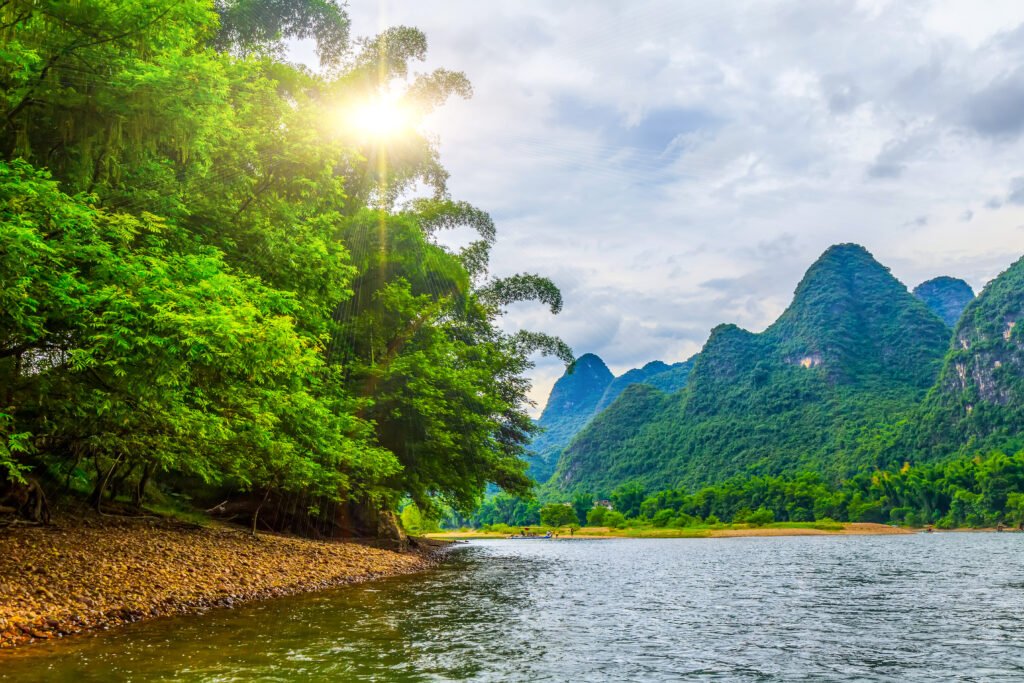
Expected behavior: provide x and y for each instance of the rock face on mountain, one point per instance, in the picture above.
(853, 350)
(978, 402)
(946, 297)
(569, 408)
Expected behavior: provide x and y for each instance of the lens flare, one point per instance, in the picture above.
(379, 119)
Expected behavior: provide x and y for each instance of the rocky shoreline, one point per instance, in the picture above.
(96, 573)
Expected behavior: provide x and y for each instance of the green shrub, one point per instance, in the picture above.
(760, 517)
(801, 515)
(596, 516)
(899, 515)
(683, 520)
(662, 518)
(614, 519)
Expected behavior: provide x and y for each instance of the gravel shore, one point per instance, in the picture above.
(83, 574)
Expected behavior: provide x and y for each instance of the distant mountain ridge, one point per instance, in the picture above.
(583, 392)
(668, 378)
(946, 297)
(571, 404)
(853, 350)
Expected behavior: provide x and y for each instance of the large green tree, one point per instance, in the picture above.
(207, 273)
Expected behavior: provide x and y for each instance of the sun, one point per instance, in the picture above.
(381, 118)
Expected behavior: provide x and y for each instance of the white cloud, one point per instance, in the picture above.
(674, 165)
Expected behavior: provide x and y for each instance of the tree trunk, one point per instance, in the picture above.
(256, 514)
(140, 490)
(117, 482)
(101, 486)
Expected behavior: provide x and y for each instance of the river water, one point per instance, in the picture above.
(927, 607)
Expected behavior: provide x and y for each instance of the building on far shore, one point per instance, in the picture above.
(606, 504)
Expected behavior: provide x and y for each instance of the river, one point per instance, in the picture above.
(895, 608)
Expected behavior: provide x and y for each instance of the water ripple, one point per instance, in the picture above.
(902, 608)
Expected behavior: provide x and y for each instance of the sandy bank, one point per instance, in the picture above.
(854, 528)
(849, 529)
(79, 575)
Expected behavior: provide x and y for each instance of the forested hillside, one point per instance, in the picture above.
(585, 391)
(853, 351)
(667, 378)
(209, 287)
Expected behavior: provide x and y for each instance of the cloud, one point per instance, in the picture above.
(1016, 194)
(893, 159)
(677, 165)
(998, 110)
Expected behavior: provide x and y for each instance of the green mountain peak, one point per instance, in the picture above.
(853, 349)
(946, 297)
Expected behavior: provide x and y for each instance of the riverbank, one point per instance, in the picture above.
(723, 531)
(95, 573)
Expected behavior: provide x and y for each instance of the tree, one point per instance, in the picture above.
(204, 279)
(596, 515)
(628, 498)
(582, 503)
(558, 514)
(614, 519)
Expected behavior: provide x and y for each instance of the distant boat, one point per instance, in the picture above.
(546, 537)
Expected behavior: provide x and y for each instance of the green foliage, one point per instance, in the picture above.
(582, 503)
(628, 498)
(415, 523)
(583, 393)
(248, 26)
(965, 492)
(946, 297)
(760, 517)
(506, 509)
(667, 378)
(570, 406)
(596, 515)
(558, 514)
(614, 519)
(978, 401)
(662, 518)
(202, 281)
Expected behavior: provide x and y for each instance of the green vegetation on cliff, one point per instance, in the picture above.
(667, 378)
(978, 401)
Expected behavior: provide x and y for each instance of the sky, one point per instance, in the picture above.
(675, 165)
